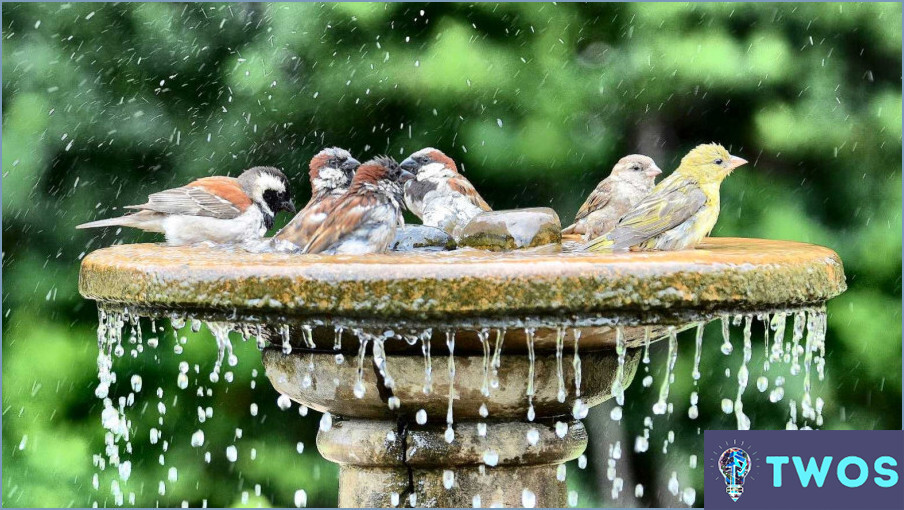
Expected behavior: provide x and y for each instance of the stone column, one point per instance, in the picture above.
(388, 459)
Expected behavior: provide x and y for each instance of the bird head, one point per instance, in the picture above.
(637, 169)
(382, 173)
(428, 162)
(268, 188)
(332, 169)
(709, 163)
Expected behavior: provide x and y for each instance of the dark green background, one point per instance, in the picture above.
(103, 104)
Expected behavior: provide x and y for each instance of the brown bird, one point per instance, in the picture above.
(216, 209)
(365, 219)
(439, 195)
(631, 179)
(331, 173)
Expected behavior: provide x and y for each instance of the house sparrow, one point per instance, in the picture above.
(680, 211)
(331, 172)
(364, 220)
(631, 179)
(216, 209)
(439, 195)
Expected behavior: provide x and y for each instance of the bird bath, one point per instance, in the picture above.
(456, 378)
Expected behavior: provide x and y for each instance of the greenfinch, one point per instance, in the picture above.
(680, 211)
(631, 179)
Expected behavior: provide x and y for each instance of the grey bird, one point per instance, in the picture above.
(631, 179)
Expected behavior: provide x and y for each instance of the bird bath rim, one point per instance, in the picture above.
(465, 287)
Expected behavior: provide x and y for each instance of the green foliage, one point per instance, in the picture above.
(104, 103)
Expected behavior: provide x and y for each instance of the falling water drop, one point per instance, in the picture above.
(326, 422)
(726, 336)
(448, 479)
(528, 498)
(698, 341)
(421, 417)
(301, 498)
(450, 343)
(743, 376)
(576, 363)
(661, 406)
(529, 335)
(197, 438)
(560, 376)
(283, 402)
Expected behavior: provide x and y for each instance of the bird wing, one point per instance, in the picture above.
(464, 186)
(215, 197)
(667, 206)
(597, 200)
(305, 223)
(350, 213)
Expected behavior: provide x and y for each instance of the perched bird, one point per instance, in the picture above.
(365, 219)
(216, 209)
(631, 179)
(331, 172)
(439, 195)
(680, 211)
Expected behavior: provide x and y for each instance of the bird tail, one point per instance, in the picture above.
(145, 220)
(109, 222)
(600, 244)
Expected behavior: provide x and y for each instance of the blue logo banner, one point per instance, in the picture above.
(802, 469)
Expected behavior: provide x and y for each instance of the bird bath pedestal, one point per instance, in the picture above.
(494, 410)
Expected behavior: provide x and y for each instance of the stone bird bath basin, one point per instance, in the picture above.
(452, 384)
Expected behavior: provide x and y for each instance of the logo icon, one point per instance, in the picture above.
(734, 464)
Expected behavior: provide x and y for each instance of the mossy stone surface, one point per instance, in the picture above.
(512, 230)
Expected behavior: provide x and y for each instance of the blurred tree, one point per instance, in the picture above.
(104, 103)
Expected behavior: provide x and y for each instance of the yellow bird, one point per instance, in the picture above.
(680, 211)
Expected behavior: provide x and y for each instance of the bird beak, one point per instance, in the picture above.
(289, 206)
(653, 171)
(735, 162)
(405, 176)
(350, 164)
(409, 165)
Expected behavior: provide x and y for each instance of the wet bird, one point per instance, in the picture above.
(331, 173)
(631, 179)
(680, 211)
(365, 219)
(439, 195)
(216, 209)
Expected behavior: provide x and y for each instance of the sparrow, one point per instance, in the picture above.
(680, 211)
(216, 209)
(631, 179)
(365, 219)
(439, 195)
(331, 172)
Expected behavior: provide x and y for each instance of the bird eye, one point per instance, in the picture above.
(719, 161)
(635, 168)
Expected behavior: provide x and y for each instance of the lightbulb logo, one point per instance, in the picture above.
(734, 464)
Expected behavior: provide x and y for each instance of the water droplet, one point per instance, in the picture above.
(561, 429)
(197, 438)
(528, 498)
(301, 498)
(533, 437)
(727, 406)
(284, 402)
(490, 458)
(421, 417)
(448, 479)
(232, 454)
(326, 422)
